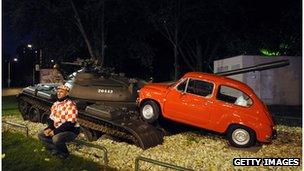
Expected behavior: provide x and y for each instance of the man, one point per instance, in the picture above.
(62, 124)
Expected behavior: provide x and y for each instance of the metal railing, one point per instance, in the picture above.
(105, 151)
(19, 126)
(156, 162)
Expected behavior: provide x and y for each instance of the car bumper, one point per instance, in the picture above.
(266, 133)
(272, 136)
(137, 101)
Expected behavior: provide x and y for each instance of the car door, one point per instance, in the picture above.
(190, 102)
(230, 102)
(175, 103)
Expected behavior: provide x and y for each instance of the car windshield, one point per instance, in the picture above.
(174, 83)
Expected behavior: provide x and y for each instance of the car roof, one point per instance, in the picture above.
(220, 80)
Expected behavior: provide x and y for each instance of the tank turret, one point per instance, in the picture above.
(102, 86)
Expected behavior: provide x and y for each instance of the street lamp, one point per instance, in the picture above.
(37, 64)
(9, 71)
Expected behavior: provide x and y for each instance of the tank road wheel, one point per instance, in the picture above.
(34, 114)
(109, 137)
(89, 134)
(149, 111)
(97, 134)
(241, 136)
(23, 107)
(44, 118)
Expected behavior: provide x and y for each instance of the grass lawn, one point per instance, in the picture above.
(9, 105)
(22, 153)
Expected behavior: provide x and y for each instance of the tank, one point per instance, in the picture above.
(106, 102)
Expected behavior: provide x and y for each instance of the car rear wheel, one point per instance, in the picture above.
(241, 136)
(149, 111)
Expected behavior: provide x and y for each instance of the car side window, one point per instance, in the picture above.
(199, 87)
(234, 96)
(182, 86)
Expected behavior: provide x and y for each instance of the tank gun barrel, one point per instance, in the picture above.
(71, 63)
(259, 67)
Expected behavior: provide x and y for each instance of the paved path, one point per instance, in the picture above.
(10, 91)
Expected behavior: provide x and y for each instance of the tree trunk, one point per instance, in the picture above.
(176, 43)
(102, 35)
(80, 26)
(199, 56)
(176, 67)
(184, 57)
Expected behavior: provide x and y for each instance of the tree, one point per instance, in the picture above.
(194, 29)
(167, 18)
(65, 28)
(138, 36)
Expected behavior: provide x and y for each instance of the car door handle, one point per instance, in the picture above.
(208, 102)
(227, 105)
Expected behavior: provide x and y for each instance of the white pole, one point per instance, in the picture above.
(9, 74)
(34, 75)
(40, 57)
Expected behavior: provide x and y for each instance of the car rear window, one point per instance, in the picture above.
(234, 96)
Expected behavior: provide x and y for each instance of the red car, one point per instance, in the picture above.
(211, 102)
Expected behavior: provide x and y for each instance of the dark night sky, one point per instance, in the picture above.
(268, 11)
(10, 42)
(224, 28)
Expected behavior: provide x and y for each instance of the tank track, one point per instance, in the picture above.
(35, 103)
(106, 129)
(139, 133)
